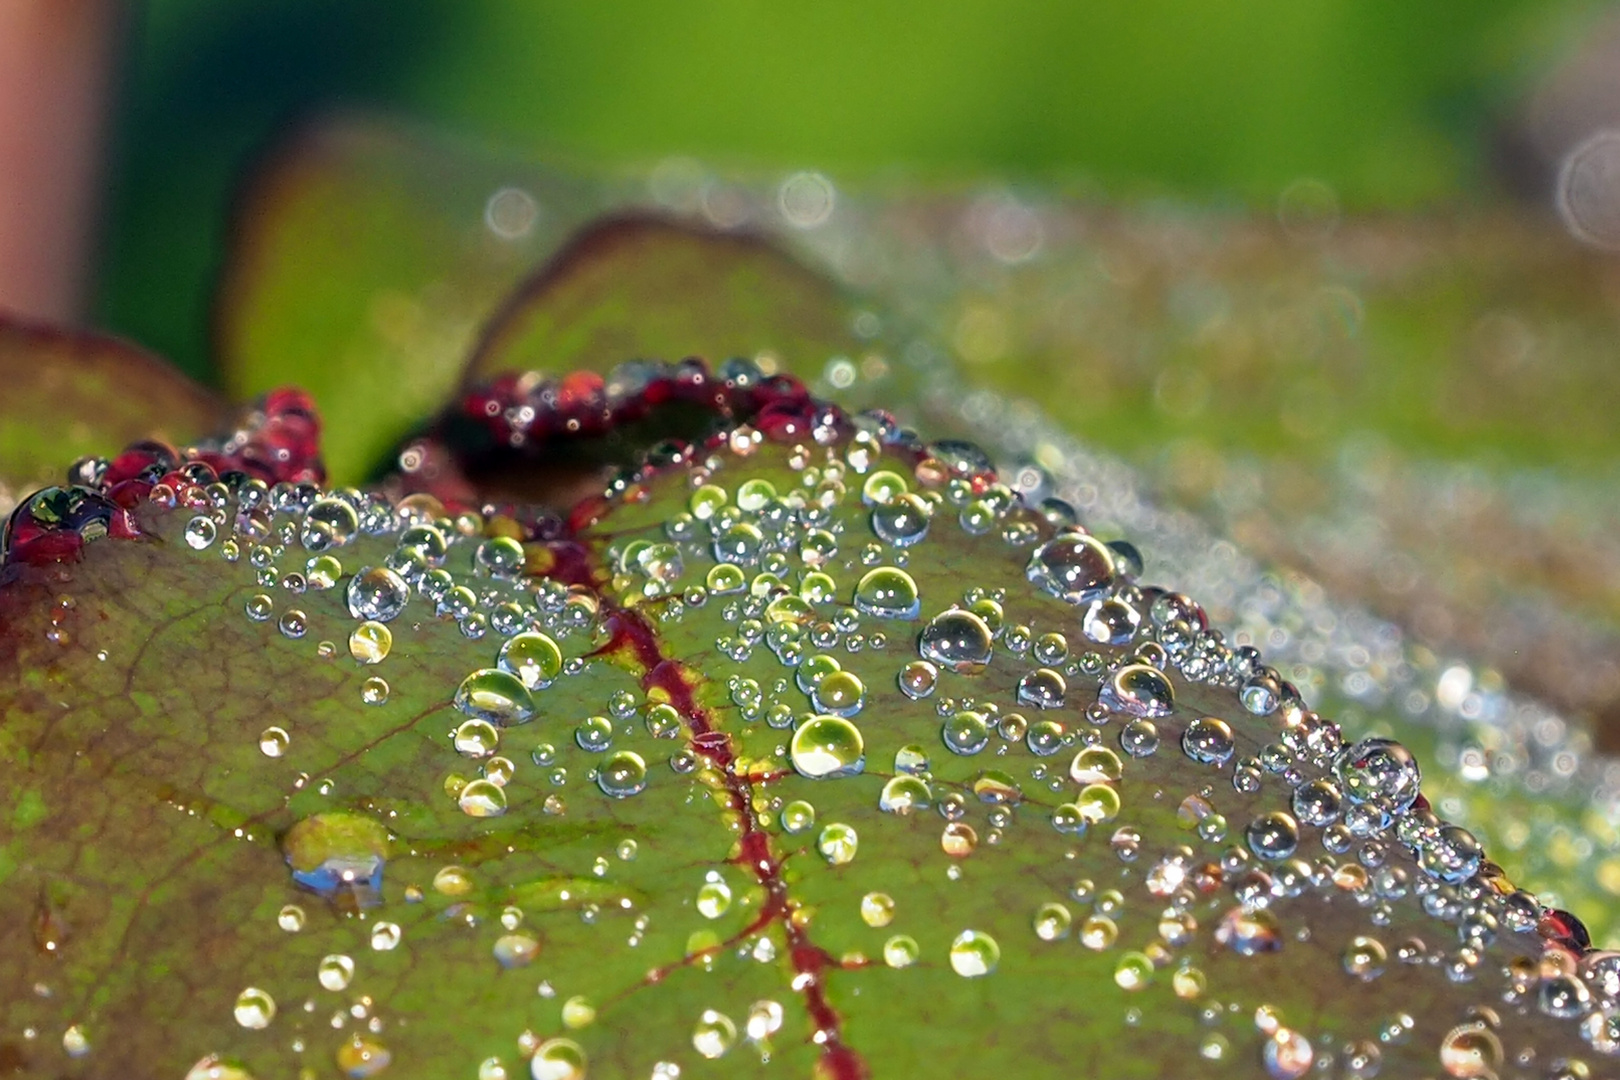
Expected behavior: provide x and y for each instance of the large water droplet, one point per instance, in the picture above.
(888, 593)
(622, 775)
(558, 1059)
(495, 695)
(827, 746)
(1072, 566)
(1042, 688)
(837, 843)
(1110, 622)
(1096, 765)
(840, 694)
(477, 738)
(958, 640)
(370, 642)
(902, 521)
(967, 732)
(377, 593)
(255, 1009)
(533, 657)
(974, 953)
(1208, 740)
(482, 798)
(328, 523)
(1138, 690)
(1273, 836)
(714, 1034)
(1380, 771)
(338, 852)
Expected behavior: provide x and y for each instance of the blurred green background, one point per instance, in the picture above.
(1392, 104)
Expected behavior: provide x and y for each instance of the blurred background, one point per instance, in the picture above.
(1334, 283)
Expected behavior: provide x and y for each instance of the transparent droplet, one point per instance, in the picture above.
(877, 909)
(888, 593)
(533, 657)
(827, 746)
(1273, 836)
(291, 918)
(839, 694)
(714, 1034)
(1052, 921)
(482, 798)
(477, 738)
(974, 954)
(1287, 1054)
(1073, 567)
(837, 843)
(1096, 765)
(200, 532)
(622, 775)
(1365, 957)
(335, 972)
(917, 679)
(370, 642)
(1139, 738)
(374, 691)
(1042, 688)
(967, 732)
(1134, 971)
(957, 640)
(255, 1009)
(1138, 690)
(558, 1059)
(1097, 803)
(1110, 622)
(905, 794)
(797, 816)
(273, 741)
(1208, 740)
(496, 696)
(1378, 770)
(377, 593)
(901, 951)
(385, 936)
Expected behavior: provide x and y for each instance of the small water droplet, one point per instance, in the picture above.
(837, 843)
(714, 1034)
(1208, 740)
(957, 640)
(377, 593)
(888, 593)
(255, 1009)
(974, 954)
(622, 775)
(496, 696)
(827, 746)
(533, 657)
(370, 642)
(374, 691)
(558, 1059)
(482, 798)
(273, 741)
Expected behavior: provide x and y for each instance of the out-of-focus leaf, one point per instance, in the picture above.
(68, 394)
(236, 845)
(646, 288)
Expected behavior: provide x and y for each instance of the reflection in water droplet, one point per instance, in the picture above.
(1380, 771)
(477, 738)
(291, 918)
(827, 746)
(386, 936)
(516, 950)
(496, 696)
(335, 971)
(1287, 1054)
(797, 816)
(1110, 622)
(374, 691)
(966, 733)
(377, 593)
(482, 799)
(622, 775)
(1208, 740)
(956, 640)
(1273, 836)
(1052, 921)
(1365, 957)
(901, 951)
(533, 657)
(1139, 738)
(1073, 567)
(888, 593)
(1469, 1051)
(1138, 690)
(877, 909)
(714, 1034)
(1042, 688)
(958, 839)
(837, 843)
(1097, 803)
(917, 679)
(558, 1059)
(1096, 765)
(1134, 971)
(255, 1009)
(902, 522)
(370, 642)
(840, 693)
(713, 898)
(904, 794)
(974, 954)
(273, 741)
(214, 1067)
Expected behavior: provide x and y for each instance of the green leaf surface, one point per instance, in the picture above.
(652, 289)
(185, 730)
(70, 394)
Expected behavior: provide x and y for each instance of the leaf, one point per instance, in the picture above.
(187, 770)
(71, 394)
(648, 288)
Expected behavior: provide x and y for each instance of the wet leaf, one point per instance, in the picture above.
(71, 394)
(728, 818)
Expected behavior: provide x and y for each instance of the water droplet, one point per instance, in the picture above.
(912, 759)
(273, 741)
(840, 693)
(374, 691)
(594, 734)
(482, 798)
(956, 640)
(1365, 957)
(1470, 1051)
(1042, 688)
(1096, 765)
(724, 579)
(1134, 971)
(1097, 803)
(335, 852)
(837, 843)
(1138, 690)
(1110, 622)
(259, 607)
(499, 556)
(1208, 740)
(713, 899)
(1052, 921)
(1287, 1054)
(901, 951)
(827, 746)
(386, 936)
(974, 953)
(1453, 855)
(877, 909)
(966, 733)
(883, 487)
(477, 738)
(1098, 932)
(516, 950)
(200, 532)
(958, 839)
(1273, 836)
(453, 881)
(1139, 738)
(377, 593)
(888, 593)
(1249, 933)
(255, 1009)
(797, 816)
(370, 642)
(917, 679)
(533, 657)
(1073, 567)
(714, 1034)
(496, 696)
(622, 775)
(335, 972)
(1380, 771)
(905, 794)
(291, 918)
(558, 1059)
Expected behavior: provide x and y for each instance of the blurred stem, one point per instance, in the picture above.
(55, 76)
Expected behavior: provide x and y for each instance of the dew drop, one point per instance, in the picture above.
(1110, 622)
(1072, 566)
(1365, 957)
(374, 691)
(255, 1009)
(1273, 836)
(1139, 738)
(1042, 688)
(966, 733)
(515, 950)
(370, 642)
(877, 909)
(1052, 921)
(335, 972)
(477, 738)
(496, 696)
(482, 798)
(622, 775)
(713, 898)
(290, 918)
(888, 593)
(273, 742)
(840, 693)
(714, 1034)
(1208, 741)
(1097, 803)
(1378, 770)
(1138, 690)
(386, 936)
(533, 657)
(827, 746)
(1096, 765)
(377, 593)
(837, 843)
(956, 640)
(1287, 1054)
(974, 954)
(797, 816)
(917, 679)
(901, 951)
(1134, 971)
(200, 532)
